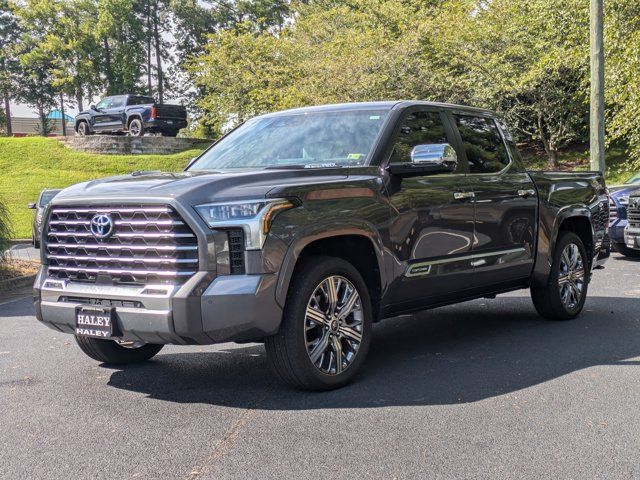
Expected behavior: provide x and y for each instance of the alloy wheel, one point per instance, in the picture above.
(333, 325)
(571, 276)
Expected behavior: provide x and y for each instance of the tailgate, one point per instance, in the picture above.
(171, 111)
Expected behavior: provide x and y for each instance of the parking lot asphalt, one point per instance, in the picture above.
(484, 389)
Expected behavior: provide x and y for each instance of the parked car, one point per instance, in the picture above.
(301, 228)
(619, 200)
(39, 206)
(132, 114)
(632, 230)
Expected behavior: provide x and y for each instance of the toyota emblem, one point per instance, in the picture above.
(101, 225)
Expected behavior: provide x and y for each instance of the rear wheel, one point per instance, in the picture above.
(326, 327)
(626, 251)
(115, 352)
(136, 129)
(566, 291)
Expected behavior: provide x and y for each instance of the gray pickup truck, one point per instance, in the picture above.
(302, 228)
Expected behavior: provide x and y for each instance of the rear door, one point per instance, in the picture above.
(432, 227)
(505, 201)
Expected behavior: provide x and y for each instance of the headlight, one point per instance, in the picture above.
(254, 216)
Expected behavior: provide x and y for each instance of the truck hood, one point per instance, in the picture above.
(195, 187)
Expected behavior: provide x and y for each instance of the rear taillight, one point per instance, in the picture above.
(153, 112)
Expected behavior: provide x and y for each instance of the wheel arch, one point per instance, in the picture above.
(360, 247)
(132, 116)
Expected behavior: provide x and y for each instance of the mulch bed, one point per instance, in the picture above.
(13, 269)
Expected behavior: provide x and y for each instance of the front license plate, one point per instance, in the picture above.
(94, 322)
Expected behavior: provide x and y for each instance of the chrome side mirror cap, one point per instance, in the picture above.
(439, 155)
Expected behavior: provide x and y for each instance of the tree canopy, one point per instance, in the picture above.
(230, 60)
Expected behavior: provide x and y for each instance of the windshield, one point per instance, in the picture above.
(47, 196)
(297, 140)
(634, 180)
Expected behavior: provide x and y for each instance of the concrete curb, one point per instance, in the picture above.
(11, 284)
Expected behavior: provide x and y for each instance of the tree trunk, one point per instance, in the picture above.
(7, 112)
(549, 147)
(107, 65)
(7, 102)
(64, 123)
(43, 121)
(79, 100)
(149, 35)
(156, 35)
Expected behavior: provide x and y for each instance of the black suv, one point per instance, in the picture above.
(302, 228)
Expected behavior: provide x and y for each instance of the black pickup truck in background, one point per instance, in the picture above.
(132, 114)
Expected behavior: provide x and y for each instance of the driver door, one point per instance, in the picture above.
(432, 217)
(100, 116)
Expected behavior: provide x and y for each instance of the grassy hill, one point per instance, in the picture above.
(28, 165)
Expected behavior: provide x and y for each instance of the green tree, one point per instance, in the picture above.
(9, 64)
(622, 43)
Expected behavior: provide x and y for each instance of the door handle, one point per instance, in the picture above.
(463, 195)
(526, 193)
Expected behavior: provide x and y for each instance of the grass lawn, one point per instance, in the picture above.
(31, 164)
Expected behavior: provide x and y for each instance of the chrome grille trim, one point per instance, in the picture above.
(115, 210)
(125, 235)
(179, 248)
(123, 259)
(161, 273)
(149, 245)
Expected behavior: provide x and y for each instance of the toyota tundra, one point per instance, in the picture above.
(302, 228)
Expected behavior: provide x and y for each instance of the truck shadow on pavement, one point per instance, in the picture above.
(464, 353)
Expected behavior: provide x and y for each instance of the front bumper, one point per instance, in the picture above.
(632, 238)
(204, 310)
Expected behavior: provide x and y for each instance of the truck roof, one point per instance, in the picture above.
(382, 105)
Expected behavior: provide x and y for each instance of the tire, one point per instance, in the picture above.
(289, 351)
(564, 303)
(83, 129)
(108, 351)
(136, 129)
(626, 251)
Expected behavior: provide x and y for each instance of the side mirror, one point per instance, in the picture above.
(92, 107)
(191, 162)
(31, 206)
(427, 159)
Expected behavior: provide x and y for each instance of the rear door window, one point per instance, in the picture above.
(482, 143)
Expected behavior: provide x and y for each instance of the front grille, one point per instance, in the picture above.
(601, 218)
(633, 212)
(148, 244)
(236, 250)
(613, 211)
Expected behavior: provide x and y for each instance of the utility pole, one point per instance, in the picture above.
(597, 86)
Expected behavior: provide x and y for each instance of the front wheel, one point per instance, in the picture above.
(83, 129)
(326, 327)
(114, 352)
(566, 291)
